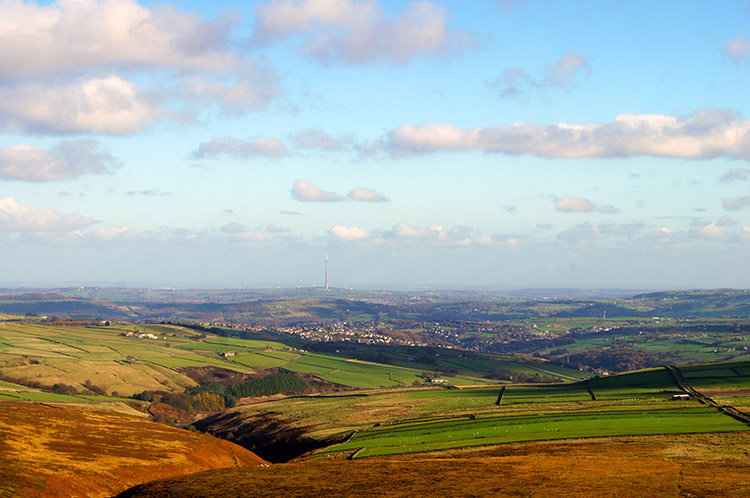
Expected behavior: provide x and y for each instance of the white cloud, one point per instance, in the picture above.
(50, 54)
(75, 35)
(305, 191)
(568, 204)
(348, 233)
(66, 160)
(711, 231)
(359, 32)
(708, 133)
(111, 233)
(241, 149)
(15, 217)
(738, 48)
(737, 203)
(362, 194)
(562, 74)
(110, 105)
(435, 235)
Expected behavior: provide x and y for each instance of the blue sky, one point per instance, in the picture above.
(451, 144)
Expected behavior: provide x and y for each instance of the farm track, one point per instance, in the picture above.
(702, 398)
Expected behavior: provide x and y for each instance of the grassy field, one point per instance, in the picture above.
(121, 366)
(638, 403)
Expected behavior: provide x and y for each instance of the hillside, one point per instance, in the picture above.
(53, 451)
(633, 467)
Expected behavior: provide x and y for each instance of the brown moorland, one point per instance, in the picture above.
(54, 451)
(666, 466)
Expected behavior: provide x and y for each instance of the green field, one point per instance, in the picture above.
(45, 355)
(498, 429)
(638, 403)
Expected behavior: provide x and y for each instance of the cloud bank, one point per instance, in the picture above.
(706, 134)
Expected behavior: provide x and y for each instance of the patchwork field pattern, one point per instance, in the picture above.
(639, 403)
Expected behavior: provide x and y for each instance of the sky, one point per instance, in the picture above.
(429, 144)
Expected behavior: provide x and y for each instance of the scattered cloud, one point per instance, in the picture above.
(509, 209)
(291, 213)
(151, 192)
(738, 48)
(735, 175)
(562, 74)
(240, 149)
(305, 191)
(15, 217)
(708, 133)
(362, 194)
(544, 226)
(346, 31)
(587, 232)
(64, 161)
(737, 203)
(435, 235)
(348, 233)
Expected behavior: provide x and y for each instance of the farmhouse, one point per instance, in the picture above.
(680, 396)
(140, 335)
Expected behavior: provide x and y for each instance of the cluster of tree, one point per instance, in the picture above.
(275, 383)
(617, 359)
(214, 396)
